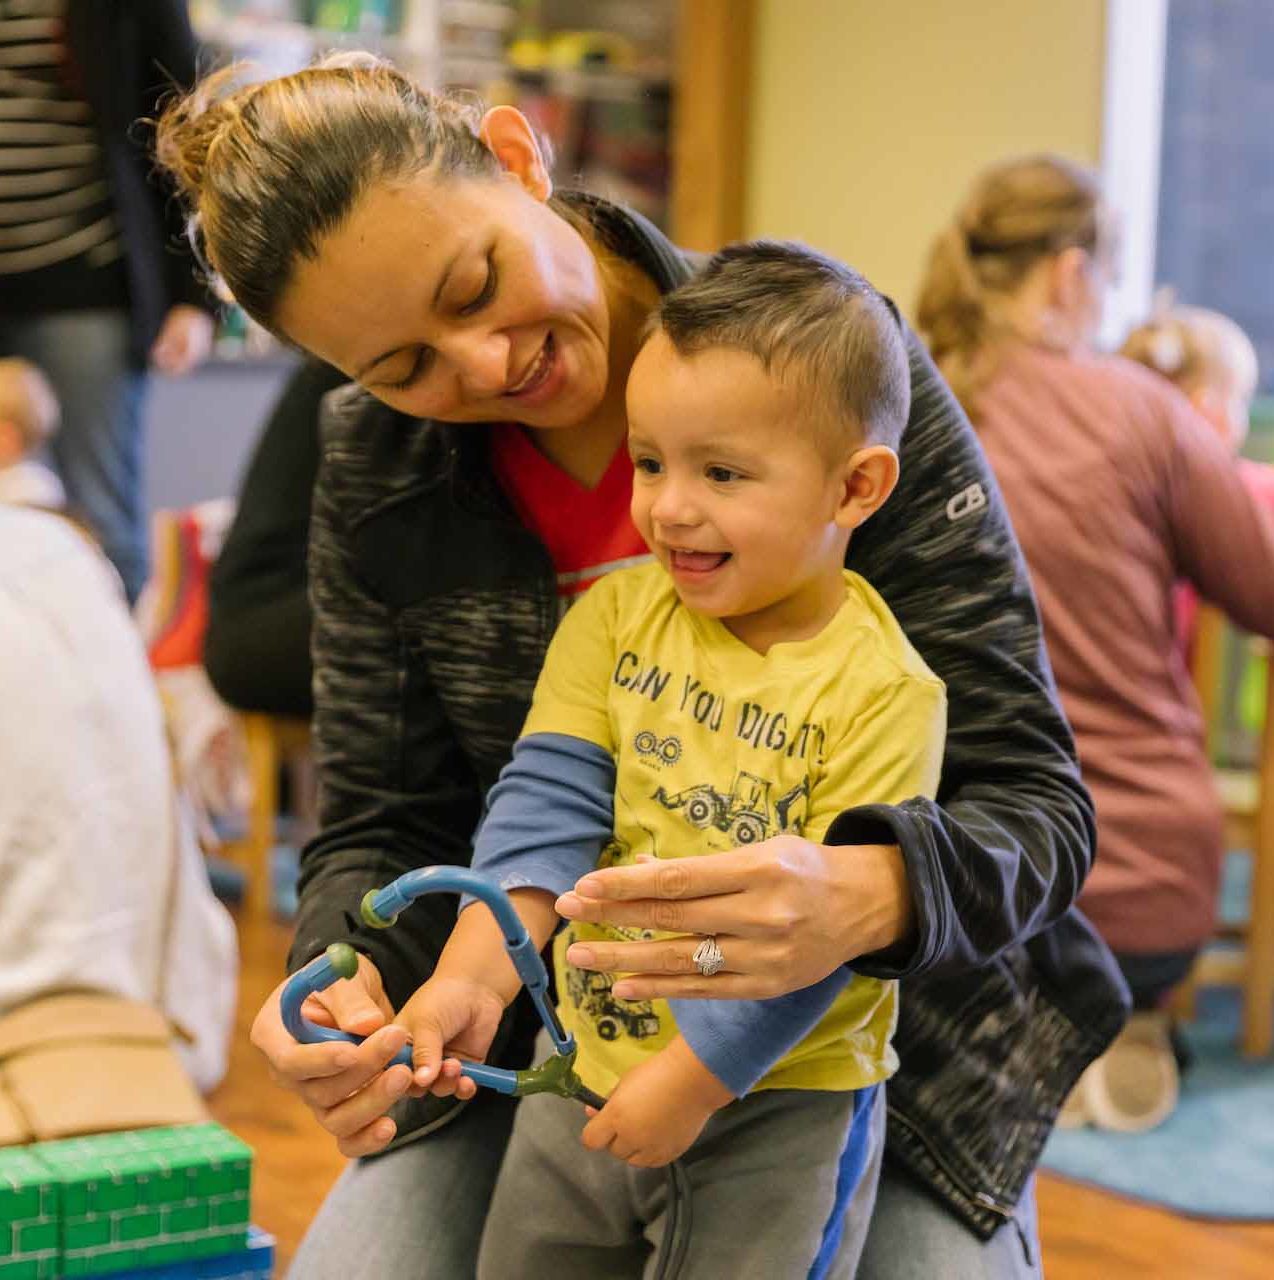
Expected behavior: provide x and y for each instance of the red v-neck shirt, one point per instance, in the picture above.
(588, 532)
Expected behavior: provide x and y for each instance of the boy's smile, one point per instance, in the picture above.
(736, 492)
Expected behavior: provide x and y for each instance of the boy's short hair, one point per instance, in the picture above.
(801, 312)
(27, 400)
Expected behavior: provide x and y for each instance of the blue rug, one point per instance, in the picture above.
(1214, 1156)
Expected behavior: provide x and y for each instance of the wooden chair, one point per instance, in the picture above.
(1248, 798)
(272, 742)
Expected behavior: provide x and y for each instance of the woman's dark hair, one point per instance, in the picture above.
(268, 169)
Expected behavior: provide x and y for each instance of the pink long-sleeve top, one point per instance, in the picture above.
(1118, 490)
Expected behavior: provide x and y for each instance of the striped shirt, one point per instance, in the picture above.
(55, 207)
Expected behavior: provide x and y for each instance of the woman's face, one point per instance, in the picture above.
(461, 299)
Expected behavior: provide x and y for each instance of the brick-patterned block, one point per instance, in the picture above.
(148, 1197)
(29, 1208)
(254, 1262)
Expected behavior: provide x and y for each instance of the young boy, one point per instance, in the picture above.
(28, 417)
(743, 686)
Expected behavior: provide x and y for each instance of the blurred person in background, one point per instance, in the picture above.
(28, 418)
(1117, 489)
(96, 284)
(1214, 364)
(257, 647)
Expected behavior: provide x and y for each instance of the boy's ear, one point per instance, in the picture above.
(509, 136)
(870, 475)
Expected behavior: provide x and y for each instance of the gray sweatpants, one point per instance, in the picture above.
(763, 1189)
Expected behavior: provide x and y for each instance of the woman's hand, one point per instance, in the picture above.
(345, 1085)
(785, 914)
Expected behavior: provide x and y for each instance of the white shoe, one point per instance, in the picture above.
(1134, 1085)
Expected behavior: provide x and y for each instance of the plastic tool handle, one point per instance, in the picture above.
(380, 909)
(340, 960)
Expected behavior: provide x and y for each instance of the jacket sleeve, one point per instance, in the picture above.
(374, 819)
(1004, 849)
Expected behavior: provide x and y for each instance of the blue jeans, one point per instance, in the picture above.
(98, 450)
(417, 1214)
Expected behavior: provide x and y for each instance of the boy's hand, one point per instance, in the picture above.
(449, 1016)
(658, 1109)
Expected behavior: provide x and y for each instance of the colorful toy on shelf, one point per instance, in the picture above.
(123, 1202)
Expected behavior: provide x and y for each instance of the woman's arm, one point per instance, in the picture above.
(376, 822)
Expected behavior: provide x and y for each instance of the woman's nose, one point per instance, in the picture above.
(481, 361)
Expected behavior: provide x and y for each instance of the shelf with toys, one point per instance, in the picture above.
(594, 78)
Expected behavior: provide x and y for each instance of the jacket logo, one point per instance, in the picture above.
(966, 502)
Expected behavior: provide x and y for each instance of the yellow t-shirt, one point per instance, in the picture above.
(717, 746)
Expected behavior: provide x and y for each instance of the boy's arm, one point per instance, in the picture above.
(891, 753)
(550, 813)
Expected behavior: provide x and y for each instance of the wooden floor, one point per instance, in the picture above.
(1087, 1235)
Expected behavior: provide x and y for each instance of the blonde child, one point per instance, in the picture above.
(690, 705)
(1213, 362)
(29, 416)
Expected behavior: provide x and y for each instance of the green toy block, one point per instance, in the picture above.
(148, 1196)
(29, 1202)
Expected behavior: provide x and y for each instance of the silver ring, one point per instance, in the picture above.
(708, 958)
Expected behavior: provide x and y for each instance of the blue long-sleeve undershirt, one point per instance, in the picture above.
(548, 817)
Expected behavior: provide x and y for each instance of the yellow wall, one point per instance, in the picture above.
(870, 116)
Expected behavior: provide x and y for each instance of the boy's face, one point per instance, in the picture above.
(731, 490)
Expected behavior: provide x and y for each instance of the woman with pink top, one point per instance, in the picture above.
(1118, 489)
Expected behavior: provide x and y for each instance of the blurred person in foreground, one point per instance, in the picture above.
(104, 883)
(28, 418)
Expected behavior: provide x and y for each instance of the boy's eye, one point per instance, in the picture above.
(484, 295)
(721, 475)
(650, 466)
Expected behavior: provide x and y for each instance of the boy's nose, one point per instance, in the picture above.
(674, 507)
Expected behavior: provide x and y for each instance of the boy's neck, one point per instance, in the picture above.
(799, 616)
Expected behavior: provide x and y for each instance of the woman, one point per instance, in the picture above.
(421, 251)
(1117, 489)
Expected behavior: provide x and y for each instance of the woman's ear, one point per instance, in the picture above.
(869, 478)
(1069, 279)
(510, 138)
